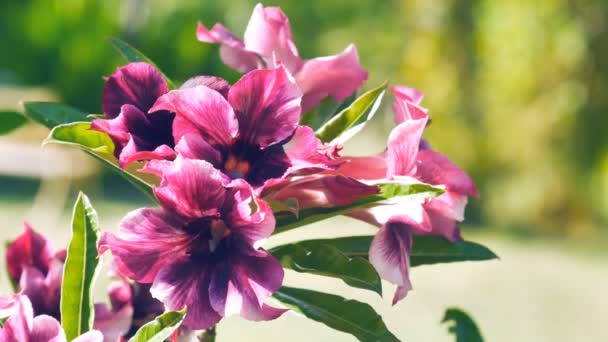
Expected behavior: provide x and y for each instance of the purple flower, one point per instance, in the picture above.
(268, 39)
(127, 96)
(22, 326)
(248, 131)
(201, 250)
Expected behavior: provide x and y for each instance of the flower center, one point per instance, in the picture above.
(208, 234)
(236, 168)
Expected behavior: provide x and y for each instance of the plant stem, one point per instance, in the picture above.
(208, 335)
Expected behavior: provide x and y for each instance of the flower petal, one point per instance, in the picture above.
(363, 168)
(186, 284)
(90, 336)
(18, 326)
(403, 144)
(46, 329)
(443, 226)
(435, 168)
(113, 324)
(216, 83)
(191, 188)
(337, 76)
(43, 291)
(138, 84)
(232, 50)
(148, 239)
(28, 249)
(200, 110)
(193, 146)
(267, 105)
(407, 104)
(305, 151)
(389, 254)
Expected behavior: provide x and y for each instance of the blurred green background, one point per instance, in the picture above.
(517, 91)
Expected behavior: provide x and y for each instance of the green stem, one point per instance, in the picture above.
(208, 335)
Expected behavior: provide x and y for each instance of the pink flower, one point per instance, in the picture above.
(22, 326)
(201, 250)
(127, 96)
(268, 39)
(248, 131)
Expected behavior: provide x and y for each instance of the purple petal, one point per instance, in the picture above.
(389, 254)
(267, 105)
(138, 84)
(191, 188)
(90, 336)
(216, 83)
(18, 326)
(186, 284)
(46, 329)
(43, 291)
(435, 168)
(241, 284)
(113, 324)
(200, 110)
(232, 50)
(305, 151)
(407, 104)
(193, 146)
(148, 239)
(268, 34)
(338, 76)
(403, 143)
(28, 249)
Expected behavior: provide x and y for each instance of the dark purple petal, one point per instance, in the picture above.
(403, 143)
(267, 105)
(186, 284)
(193, 146)
(216, 83)
(305, 151)
(435, 168)
(200, 110)
(148, 239)
(389, 254)
(44, 291)
(46, 329)
(188, 187)
(337, 76)
(138, 84)
(232, 50)
(28, 249)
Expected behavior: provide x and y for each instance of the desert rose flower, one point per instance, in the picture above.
(248, 131)
(22, 326)
(268, 39)
(127, 96)
(201, 250)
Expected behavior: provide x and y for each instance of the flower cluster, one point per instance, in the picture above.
(230, 161)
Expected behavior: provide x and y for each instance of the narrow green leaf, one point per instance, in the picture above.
(51, 114)
(462, 326)
(349, 316)
(131, 54)
(80, 271)
(160, 328)
(79, 134)
(325, 110)
(352, 119)
(326, 260)
(389, 192)
(426, 250)
(10, 121)
(98, 145)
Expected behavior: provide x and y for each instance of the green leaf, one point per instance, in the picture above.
(80, 271)
(131, 54)
(99, 146)
(10, 121)
(325, 110)
(462, 326)
(160, 328)
(326, 260)
(51, 114)
(349, 316)
(388, 192)
(426, 250)
(79, 134)
(353, 118)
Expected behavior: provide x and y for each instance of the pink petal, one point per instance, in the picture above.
(138, 84)
(186, 284)
(148, 239)
(443, 226)
(338, 76)
(435, 168)
(267, 105)
(216, 83)
(403, 144)
(305, 151)
(46, 329)
(28, 249)
(232, 50)
(191, 188)
(364, 168)
(407, 104)
(269, 35)
(113, 325)
(90, 336)
(130, 154)
(200, 110)
(193, 146)
(18, 326)
(389, 254)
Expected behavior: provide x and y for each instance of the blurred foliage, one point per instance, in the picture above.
(516, 89)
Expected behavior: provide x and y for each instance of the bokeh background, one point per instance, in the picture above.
(517, 92)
